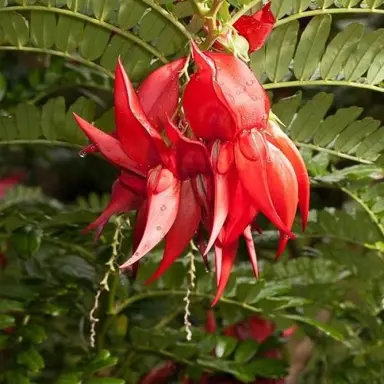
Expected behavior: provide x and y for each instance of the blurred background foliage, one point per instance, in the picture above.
(323, 67)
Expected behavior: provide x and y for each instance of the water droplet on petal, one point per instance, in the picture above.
(286, 237)
(250, 82)
(163, 207)
(159, 228)
(82, 154)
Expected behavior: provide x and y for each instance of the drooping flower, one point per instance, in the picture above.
(257, 27)
(156, 179)
(255, 167)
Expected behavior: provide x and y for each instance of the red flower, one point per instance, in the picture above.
(256, 167)
(157, 179)
(242, 165)
(256, 28)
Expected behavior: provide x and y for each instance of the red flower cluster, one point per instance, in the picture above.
(215, 168)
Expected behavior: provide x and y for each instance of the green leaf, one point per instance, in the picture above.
(31, 359)
(53, 118)
(325, 328)
(94, 42)
(15, 28)
(11, 306)
(309, 117)
(105, 380)
(26, 241)
(6, 321)
(353, 135)
(334, 124)
(16, 378)
(311, 46)
(280, 48)
(27, 121)
(69, 33)
(375, 73)
(43, 29)
(339, 49)
(35, 333)
(103, 9)
(68, 378)
(286, 108)
(269, 368)
(246, 351)
(361, 59)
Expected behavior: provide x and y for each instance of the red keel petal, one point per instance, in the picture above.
(138, 138)
(284, 190)
(278, 138)
(251, 250)
(228, 258)
(182, 230)
(159, 93)
(253, 176)
(163, 204)
(122, 200)
(108, 146)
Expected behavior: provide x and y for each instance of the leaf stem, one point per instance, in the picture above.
(67, 56)
(332, 11)
(151, 294)
(317, 83)
(371, 214)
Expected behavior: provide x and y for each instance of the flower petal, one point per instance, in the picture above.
(122, 200)
(228, 258)
(163, 203)
(251, 250)
(222, 193)
(248, 102)
(206, 109)
(109, 146)
(256, 28)
(159, 93)
(241, 212)
(278, 138)
(140, 141)
(192, 157)
(218, 261)
(182, 230)
(251, 163)
(284, 190)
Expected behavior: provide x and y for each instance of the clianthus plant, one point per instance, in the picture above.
(222, 161)
(242, 239)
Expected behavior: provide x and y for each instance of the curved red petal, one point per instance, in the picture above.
(284, 190)
(248, 102)
(241, 213)
(159, 93)
(256, 28)
(278, 138)
(163, 203)
(228, 258)
(221, 207)
(122, 200)
(218, 261)
(253, 176)
(138, 138)
(210, 322)
(251, 250)
(205, 107)
(109, 146)
(182, 230)
(191, 155)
